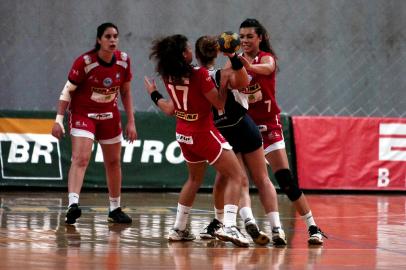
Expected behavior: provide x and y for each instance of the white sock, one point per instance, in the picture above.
(114, 203)
(308, 219)
(273, 218)
(230, 215)
(219, 214)
(73, 198)
(246, 215)
(182, 216)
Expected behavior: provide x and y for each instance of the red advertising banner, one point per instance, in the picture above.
(350, 153)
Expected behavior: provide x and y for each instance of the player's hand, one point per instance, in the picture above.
(131, 132)
(150, 84)
(228, 54)
(245, 62)
(57, 131)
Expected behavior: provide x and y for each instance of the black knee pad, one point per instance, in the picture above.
(287, 184)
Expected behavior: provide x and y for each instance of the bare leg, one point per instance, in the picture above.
(259, 174)
(193, 183)
(112, 165)
(228, 166)
(81, 151)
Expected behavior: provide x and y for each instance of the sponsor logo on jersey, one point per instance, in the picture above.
(184, 138)
(186, 116)
(124, 56)
(107, 82)
(106, 91)
(87, 59)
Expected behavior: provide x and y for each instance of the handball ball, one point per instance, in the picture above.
(229, 42)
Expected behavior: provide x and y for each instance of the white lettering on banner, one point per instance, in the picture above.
(129, 150)
(19, 153)
(151, 148)
(170, 153)
(39, 151)
(392, 142)
(383, 177)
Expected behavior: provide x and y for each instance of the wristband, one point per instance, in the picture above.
(155, 96)
(59, 120)
(236, 63)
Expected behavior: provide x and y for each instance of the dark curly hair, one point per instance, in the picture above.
(168, 54)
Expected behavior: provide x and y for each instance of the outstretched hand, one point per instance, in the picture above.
(150, 84)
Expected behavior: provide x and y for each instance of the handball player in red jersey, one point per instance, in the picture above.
(260, 61)
(95, 81)
(192, 95)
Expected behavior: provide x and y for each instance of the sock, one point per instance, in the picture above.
(219, 214)
(114, 203)
(308, 219)
(273, 218)
(230, 215)
(182, 216)
(73, 198)
(246, 215)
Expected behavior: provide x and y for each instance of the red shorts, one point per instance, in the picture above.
(272, 134)
(202, 146)
(103, 127)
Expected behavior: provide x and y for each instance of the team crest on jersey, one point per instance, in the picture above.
(87, 59)
(107, 82)
(124, 56)
(118, 76)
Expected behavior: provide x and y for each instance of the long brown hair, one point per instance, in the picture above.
(260, 30)
(168, 54)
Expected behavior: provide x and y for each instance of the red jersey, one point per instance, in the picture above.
(98, 83)
(192, 108)
(261, 94)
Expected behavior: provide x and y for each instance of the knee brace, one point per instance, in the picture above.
(287, 184)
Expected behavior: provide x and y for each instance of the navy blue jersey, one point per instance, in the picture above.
(234, 109)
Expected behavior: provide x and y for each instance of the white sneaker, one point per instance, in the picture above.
(232, 234)
(259, 237)
(178, 235)
(278, 237)
(315, 236)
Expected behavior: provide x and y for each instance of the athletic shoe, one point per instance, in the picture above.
(73, 213)
(118, 216)
(208, 232)
(315, 236)
(278, 237)
(259, 237)
(232, 234)
(178, 235)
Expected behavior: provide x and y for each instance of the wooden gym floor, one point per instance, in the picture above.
(364, 232)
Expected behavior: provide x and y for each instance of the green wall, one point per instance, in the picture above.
(154, 161)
